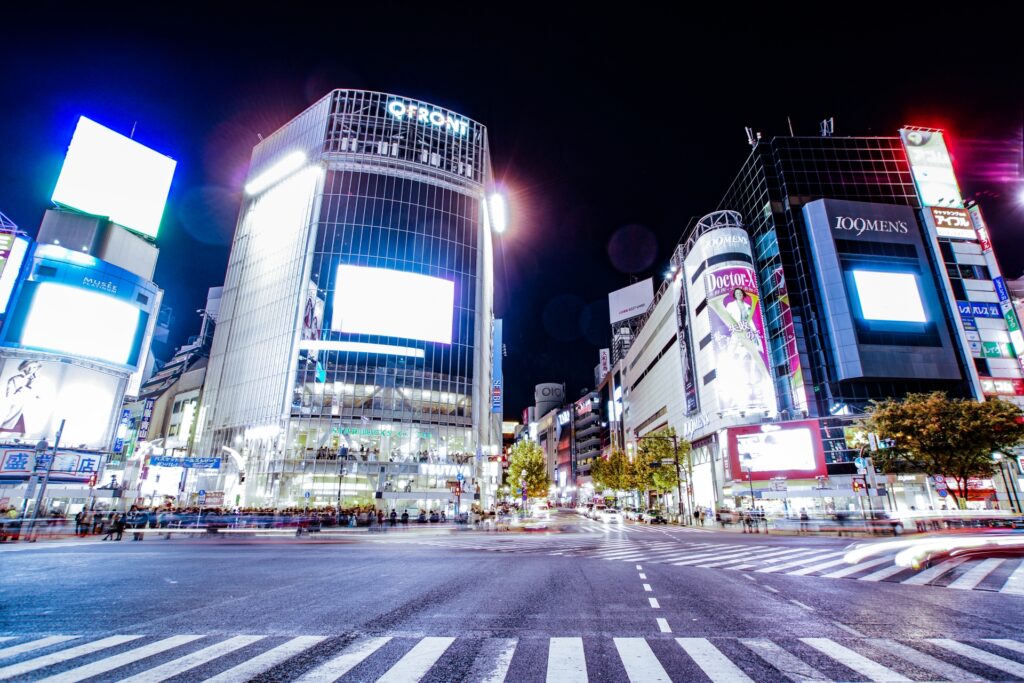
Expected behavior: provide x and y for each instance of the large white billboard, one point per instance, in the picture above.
(630, 301)
(81, 322)
(932, 167)
(393, 303)
(107, 174)
(38, 394)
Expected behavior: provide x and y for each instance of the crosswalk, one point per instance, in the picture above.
(1002, 575)
(400, 658)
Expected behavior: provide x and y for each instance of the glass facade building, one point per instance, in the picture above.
(352, 360)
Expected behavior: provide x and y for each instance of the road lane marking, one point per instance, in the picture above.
(1015, 582)
(849, 629)
(643, 576)
(663, 625)
(712, 662)
(976, 574)
(117, 661)
(335, 668)
(1008, 644)
(852, 660)
(417, 661)
(792, 667)
(748, 577)
(816, 567)
(639, 661)
(63, 656)
(986, 658)
(773, 590)
(647, 588)
(802, 605)
(192, 660)
(33, 645)
(654, 603)
(639, 567)
(253, 667)
(924, 661)
(853, 569)
(566, 662)
(932, 573)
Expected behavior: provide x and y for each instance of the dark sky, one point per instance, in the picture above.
(597, 122)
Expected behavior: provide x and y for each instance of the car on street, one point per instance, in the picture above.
(610, 516)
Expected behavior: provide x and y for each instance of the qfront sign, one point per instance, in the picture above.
(421, 113)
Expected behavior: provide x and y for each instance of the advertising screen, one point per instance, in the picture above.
(80, 322)
(737, 329)
(932, 168)
(790, 449)
(630, 301)
(12, 255)
(107, 174)
(889, 297)
(38, 394)
(393, 303)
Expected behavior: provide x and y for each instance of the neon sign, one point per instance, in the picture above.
(422, 114)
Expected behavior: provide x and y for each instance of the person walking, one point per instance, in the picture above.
(405, 518)
(805, 521)
(119, 525)
(110, 527)
(79, 518)
(393, 517)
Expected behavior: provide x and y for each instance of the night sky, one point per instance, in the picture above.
(608, 132)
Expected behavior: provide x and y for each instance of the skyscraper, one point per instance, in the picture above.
(352, 358)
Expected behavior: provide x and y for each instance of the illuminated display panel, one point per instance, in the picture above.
(107, 174)
(81, 322)
(786, 449)
(393, 303)
(889, 297)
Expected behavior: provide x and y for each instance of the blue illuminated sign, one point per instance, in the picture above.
(979, 309)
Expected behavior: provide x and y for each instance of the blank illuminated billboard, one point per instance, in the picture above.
(889, 297)
(80, 322)
(107, 174)
(393, 303)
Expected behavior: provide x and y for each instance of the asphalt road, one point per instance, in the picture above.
(575, 604)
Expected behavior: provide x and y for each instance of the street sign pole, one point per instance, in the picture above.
(46, 480)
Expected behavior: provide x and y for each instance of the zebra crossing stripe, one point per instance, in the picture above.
(797, 563)
(1014, 584)
(1008, 644)
(804, 571)
(925, 661)
(987, 658)
(33, 645)
(639, 660)
(493, 661)
(853, 569)
(712, 662)
(335, 668)
(852, 660)
(932, 573)
(566, 662)
(976, 574)
(269, 659)
(63, 656)
(191, 661)
(417, 661)
(794, 668)
(883, 573)
(117, 661)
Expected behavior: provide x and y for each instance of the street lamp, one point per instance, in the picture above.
(748, 467)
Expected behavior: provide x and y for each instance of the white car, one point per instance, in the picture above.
(609, 516)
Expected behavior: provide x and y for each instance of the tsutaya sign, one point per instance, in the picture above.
(424, 114)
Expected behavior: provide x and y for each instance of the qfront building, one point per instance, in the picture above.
(353, 361)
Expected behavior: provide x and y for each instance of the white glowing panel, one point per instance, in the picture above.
(785, 449)
(80, 322)
(889, 297)
(393, 303)
(107, 174)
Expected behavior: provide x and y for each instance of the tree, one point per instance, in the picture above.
(654, 468)
(611, 472)
(526, 456)
(933, 434)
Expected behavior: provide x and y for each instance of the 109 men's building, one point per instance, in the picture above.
(352, 360)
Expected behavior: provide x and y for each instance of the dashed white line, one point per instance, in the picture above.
(663, 625)
(654, 603)
(773, 590)
(643, 576)
(802, 605)
(647, 588)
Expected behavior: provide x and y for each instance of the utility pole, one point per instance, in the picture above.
(46, 478)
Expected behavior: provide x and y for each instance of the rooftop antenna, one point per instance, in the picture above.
(790, 122)
(751, 140)
(132, 135)
(828, 127)
(260, 136)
